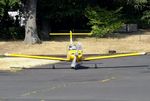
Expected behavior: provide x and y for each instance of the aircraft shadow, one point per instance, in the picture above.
(100, 67)
(82, 67)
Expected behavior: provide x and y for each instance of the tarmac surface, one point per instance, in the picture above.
(120, 79)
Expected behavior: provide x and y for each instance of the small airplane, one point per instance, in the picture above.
(75, 55)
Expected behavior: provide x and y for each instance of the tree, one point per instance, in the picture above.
(62, 14)
(102, 21)
(146, 14)
(31, 36)
(5, 6)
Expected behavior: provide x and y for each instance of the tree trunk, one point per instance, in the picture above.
(31, 36)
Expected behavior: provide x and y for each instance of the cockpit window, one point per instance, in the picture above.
(75, 47)
(72, 47)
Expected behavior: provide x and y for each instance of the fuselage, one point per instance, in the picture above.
(75, 53)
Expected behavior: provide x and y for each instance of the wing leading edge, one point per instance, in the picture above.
(114, 56)
(36, 57)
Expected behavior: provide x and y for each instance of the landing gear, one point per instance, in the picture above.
(74, 63)
(53, 67)
(77, 66)
(95, 66)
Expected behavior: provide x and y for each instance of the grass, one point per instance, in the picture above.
(124, 43)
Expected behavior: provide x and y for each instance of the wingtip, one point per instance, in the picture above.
(5, 54)
(143, 53)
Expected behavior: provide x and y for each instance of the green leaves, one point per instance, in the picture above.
(140, 1)
(8, 3)
(57, 10)
(146, 16)
(1, 11)
(102, 21)
(5, 6)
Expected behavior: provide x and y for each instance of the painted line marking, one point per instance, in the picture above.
(43, 90)
(53, 88)
(33, 92)
(107, 80)
(26, 94)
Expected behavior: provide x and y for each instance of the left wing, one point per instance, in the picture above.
(114, 56)
(36, 57)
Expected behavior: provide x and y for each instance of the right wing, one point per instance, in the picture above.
(36, 57)
(113, 56)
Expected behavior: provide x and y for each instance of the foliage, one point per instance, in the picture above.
(62, 14)
(69, 14)
(61, 8)
(8, 4)
(16, 32)
(1, 11)
(146, 16)
(132, 9)
(102, 21)
(5, 6)
(5, 21)
(138, 4)
(13, 33)
(146, 13)
(135, 3)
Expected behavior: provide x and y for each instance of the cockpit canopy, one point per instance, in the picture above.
(75, 47)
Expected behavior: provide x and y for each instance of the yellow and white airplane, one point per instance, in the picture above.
(75, 55)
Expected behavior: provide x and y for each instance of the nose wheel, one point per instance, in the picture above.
(74, 64)
(76, 67)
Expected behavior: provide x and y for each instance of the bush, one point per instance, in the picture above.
(16, 33)
(12, 33)
(102, 21)
(146, 19)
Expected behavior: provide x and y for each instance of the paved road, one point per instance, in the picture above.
(122, 79)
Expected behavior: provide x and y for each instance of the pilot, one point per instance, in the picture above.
(72, 47)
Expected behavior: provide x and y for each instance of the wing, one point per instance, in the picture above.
(36, 57)
(113, 56)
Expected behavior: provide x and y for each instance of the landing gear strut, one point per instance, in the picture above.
(74, 64)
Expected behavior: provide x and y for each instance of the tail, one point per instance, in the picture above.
(71, 42)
